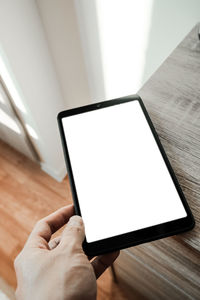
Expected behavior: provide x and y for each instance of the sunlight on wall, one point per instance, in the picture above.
(7, 121)
(9, 82)
(123, 34)
(31, 132)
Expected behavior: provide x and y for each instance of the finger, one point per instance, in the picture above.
(102, 262)
(73, 234)
(54, 243)
(44, 228)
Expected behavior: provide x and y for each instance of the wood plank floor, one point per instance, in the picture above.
(26, 195)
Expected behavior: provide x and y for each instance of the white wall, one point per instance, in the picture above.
(125, 41)
(38, 95)
(62, 32)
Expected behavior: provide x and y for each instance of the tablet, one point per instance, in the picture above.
(121, 180)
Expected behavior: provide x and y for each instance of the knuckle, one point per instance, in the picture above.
(39, 223)
(76, 229)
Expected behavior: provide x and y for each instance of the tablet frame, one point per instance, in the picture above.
(142, 235)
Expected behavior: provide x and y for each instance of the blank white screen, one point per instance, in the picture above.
(121, 179)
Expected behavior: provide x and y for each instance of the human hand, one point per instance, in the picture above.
(58, 269)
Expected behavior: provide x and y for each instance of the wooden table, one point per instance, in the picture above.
(170, 268)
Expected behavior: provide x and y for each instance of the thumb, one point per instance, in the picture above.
(73, 234)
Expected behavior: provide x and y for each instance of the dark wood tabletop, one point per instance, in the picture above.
(170, 268)
(172, 97)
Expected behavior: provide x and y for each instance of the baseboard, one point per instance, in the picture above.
(58, 174)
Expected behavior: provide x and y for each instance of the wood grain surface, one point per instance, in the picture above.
(170, 268)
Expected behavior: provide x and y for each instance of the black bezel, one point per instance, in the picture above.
(139, 236)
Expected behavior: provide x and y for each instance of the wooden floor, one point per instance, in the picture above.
(26, 195)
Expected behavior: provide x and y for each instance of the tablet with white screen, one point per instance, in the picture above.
(121, 180)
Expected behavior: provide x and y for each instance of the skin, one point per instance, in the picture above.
(58, 269)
